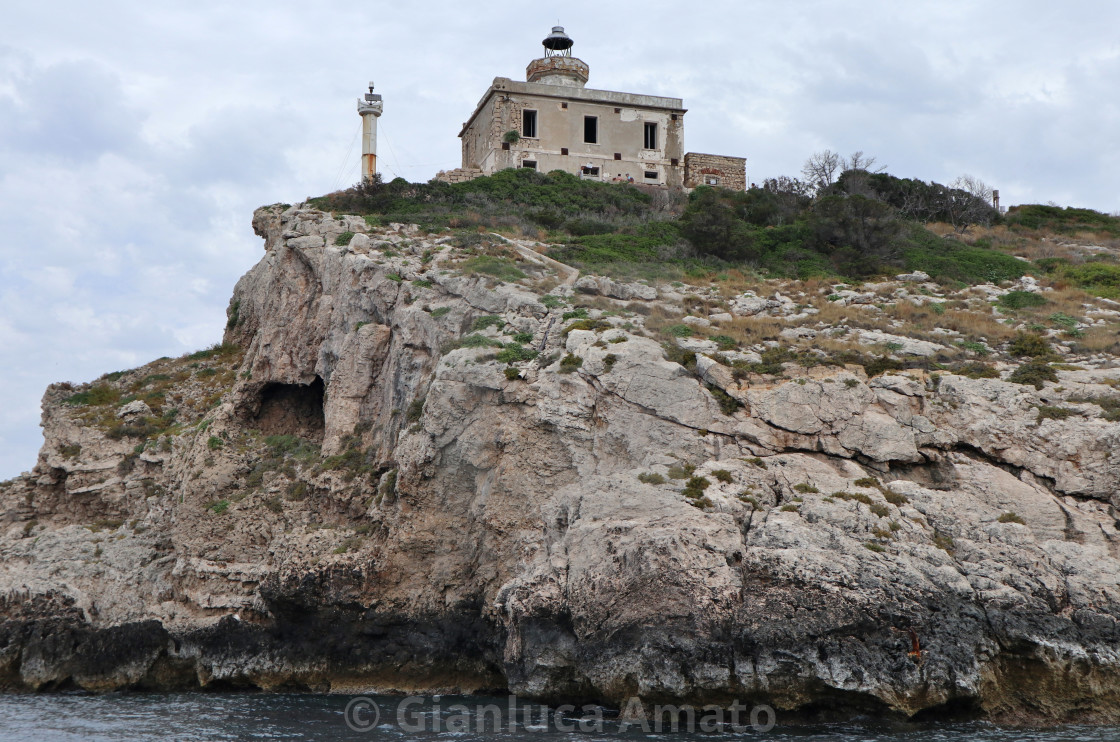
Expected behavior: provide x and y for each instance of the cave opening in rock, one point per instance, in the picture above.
(292, 409)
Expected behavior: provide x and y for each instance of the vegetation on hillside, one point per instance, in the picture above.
(855, 226)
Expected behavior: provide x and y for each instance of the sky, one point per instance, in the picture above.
(137, 138)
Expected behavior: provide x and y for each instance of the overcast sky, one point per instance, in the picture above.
(137, 138)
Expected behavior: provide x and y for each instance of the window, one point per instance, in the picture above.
(651, 175)
(531, 164)
(529, 124)
(674, 162)
(712, 180)
(618, 155)
(563, 150)
(564, 104)
(650, 140)
(591, 129)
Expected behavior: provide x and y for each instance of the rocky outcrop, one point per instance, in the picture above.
(402, 472)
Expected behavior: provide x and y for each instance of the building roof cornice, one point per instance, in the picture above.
(563, 92)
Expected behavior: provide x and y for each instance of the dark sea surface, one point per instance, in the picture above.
(246, 716)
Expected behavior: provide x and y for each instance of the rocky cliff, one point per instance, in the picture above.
(415, 465)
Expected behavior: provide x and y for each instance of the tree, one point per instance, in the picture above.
(821, 169)
(969, 201)
(860, 161)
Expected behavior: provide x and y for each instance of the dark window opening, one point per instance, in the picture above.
(650, 139)
(531, 164)
(564, 104)
(618, 110)
(674, 162)
(563, 150)
(529, 124)
(618, 155)
(651, 175)
(589, 170)
(712, 180)
(591, 129)
(505, 145)
(674, 117)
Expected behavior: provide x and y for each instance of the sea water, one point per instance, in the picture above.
(208, 717)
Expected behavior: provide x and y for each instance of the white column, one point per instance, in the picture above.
(370, 110)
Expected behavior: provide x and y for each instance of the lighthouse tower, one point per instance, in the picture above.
(370, 110)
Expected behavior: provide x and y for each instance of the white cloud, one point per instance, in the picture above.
(135, 140)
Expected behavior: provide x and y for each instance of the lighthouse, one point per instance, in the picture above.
(369, 108)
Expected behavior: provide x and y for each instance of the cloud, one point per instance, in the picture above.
(135, 140)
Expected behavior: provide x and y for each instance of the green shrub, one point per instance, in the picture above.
(874, 547)
(489, 320)
(894, 498)
(805, 488)
(724, 342)
(695, 487)
(523, 337)
(1011, 518)
(415, 410)
(754, 460)
(219, 507)
(1021, 300)
(854, 496)
(1102, 279)
(343, 239)
(789, 509)
(976, 370)
(570, 363)
(651, 478)
(422, 283)
(96, 396)
(678, 331)
(608, 361)
(234, 315)
(593, 325)
(577, 313)
(1034, 373)
(881, 365)
(515, 353)
(503, 269)
(440, 311)
(681, 472)
(722, 475)
(1046, 412)
(869, 482)
(944, 542)
(512, 373)
(551, 301)
(880, 510)
(1029, 344)
(214, 443)
(728, 405)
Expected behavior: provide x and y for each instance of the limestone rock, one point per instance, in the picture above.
(362, 491)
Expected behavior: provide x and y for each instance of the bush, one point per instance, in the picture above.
(728, 405)
(651, 478)
(695, 487)
(722, 475)
(678, 331)
(608, 361)
(515, 353)
(1011, 518)
(976, 370)
(512, 373)
(805, 488)
(1021, 300)
(570, 363)
(96, 396)
(489, 320)
(724, 342)
(1034, 373)
(440, 311)
(343, 239)
(1029, 344)
(415, 410)
(1046, 412)
(503, 269)
(214, 443)
(680, 471)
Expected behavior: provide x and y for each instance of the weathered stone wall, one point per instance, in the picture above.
(458, 175)
(702, 169)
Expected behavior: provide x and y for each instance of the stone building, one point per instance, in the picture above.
(552, 121)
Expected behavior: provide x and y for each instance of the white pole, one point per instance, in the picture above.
(370, 110)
